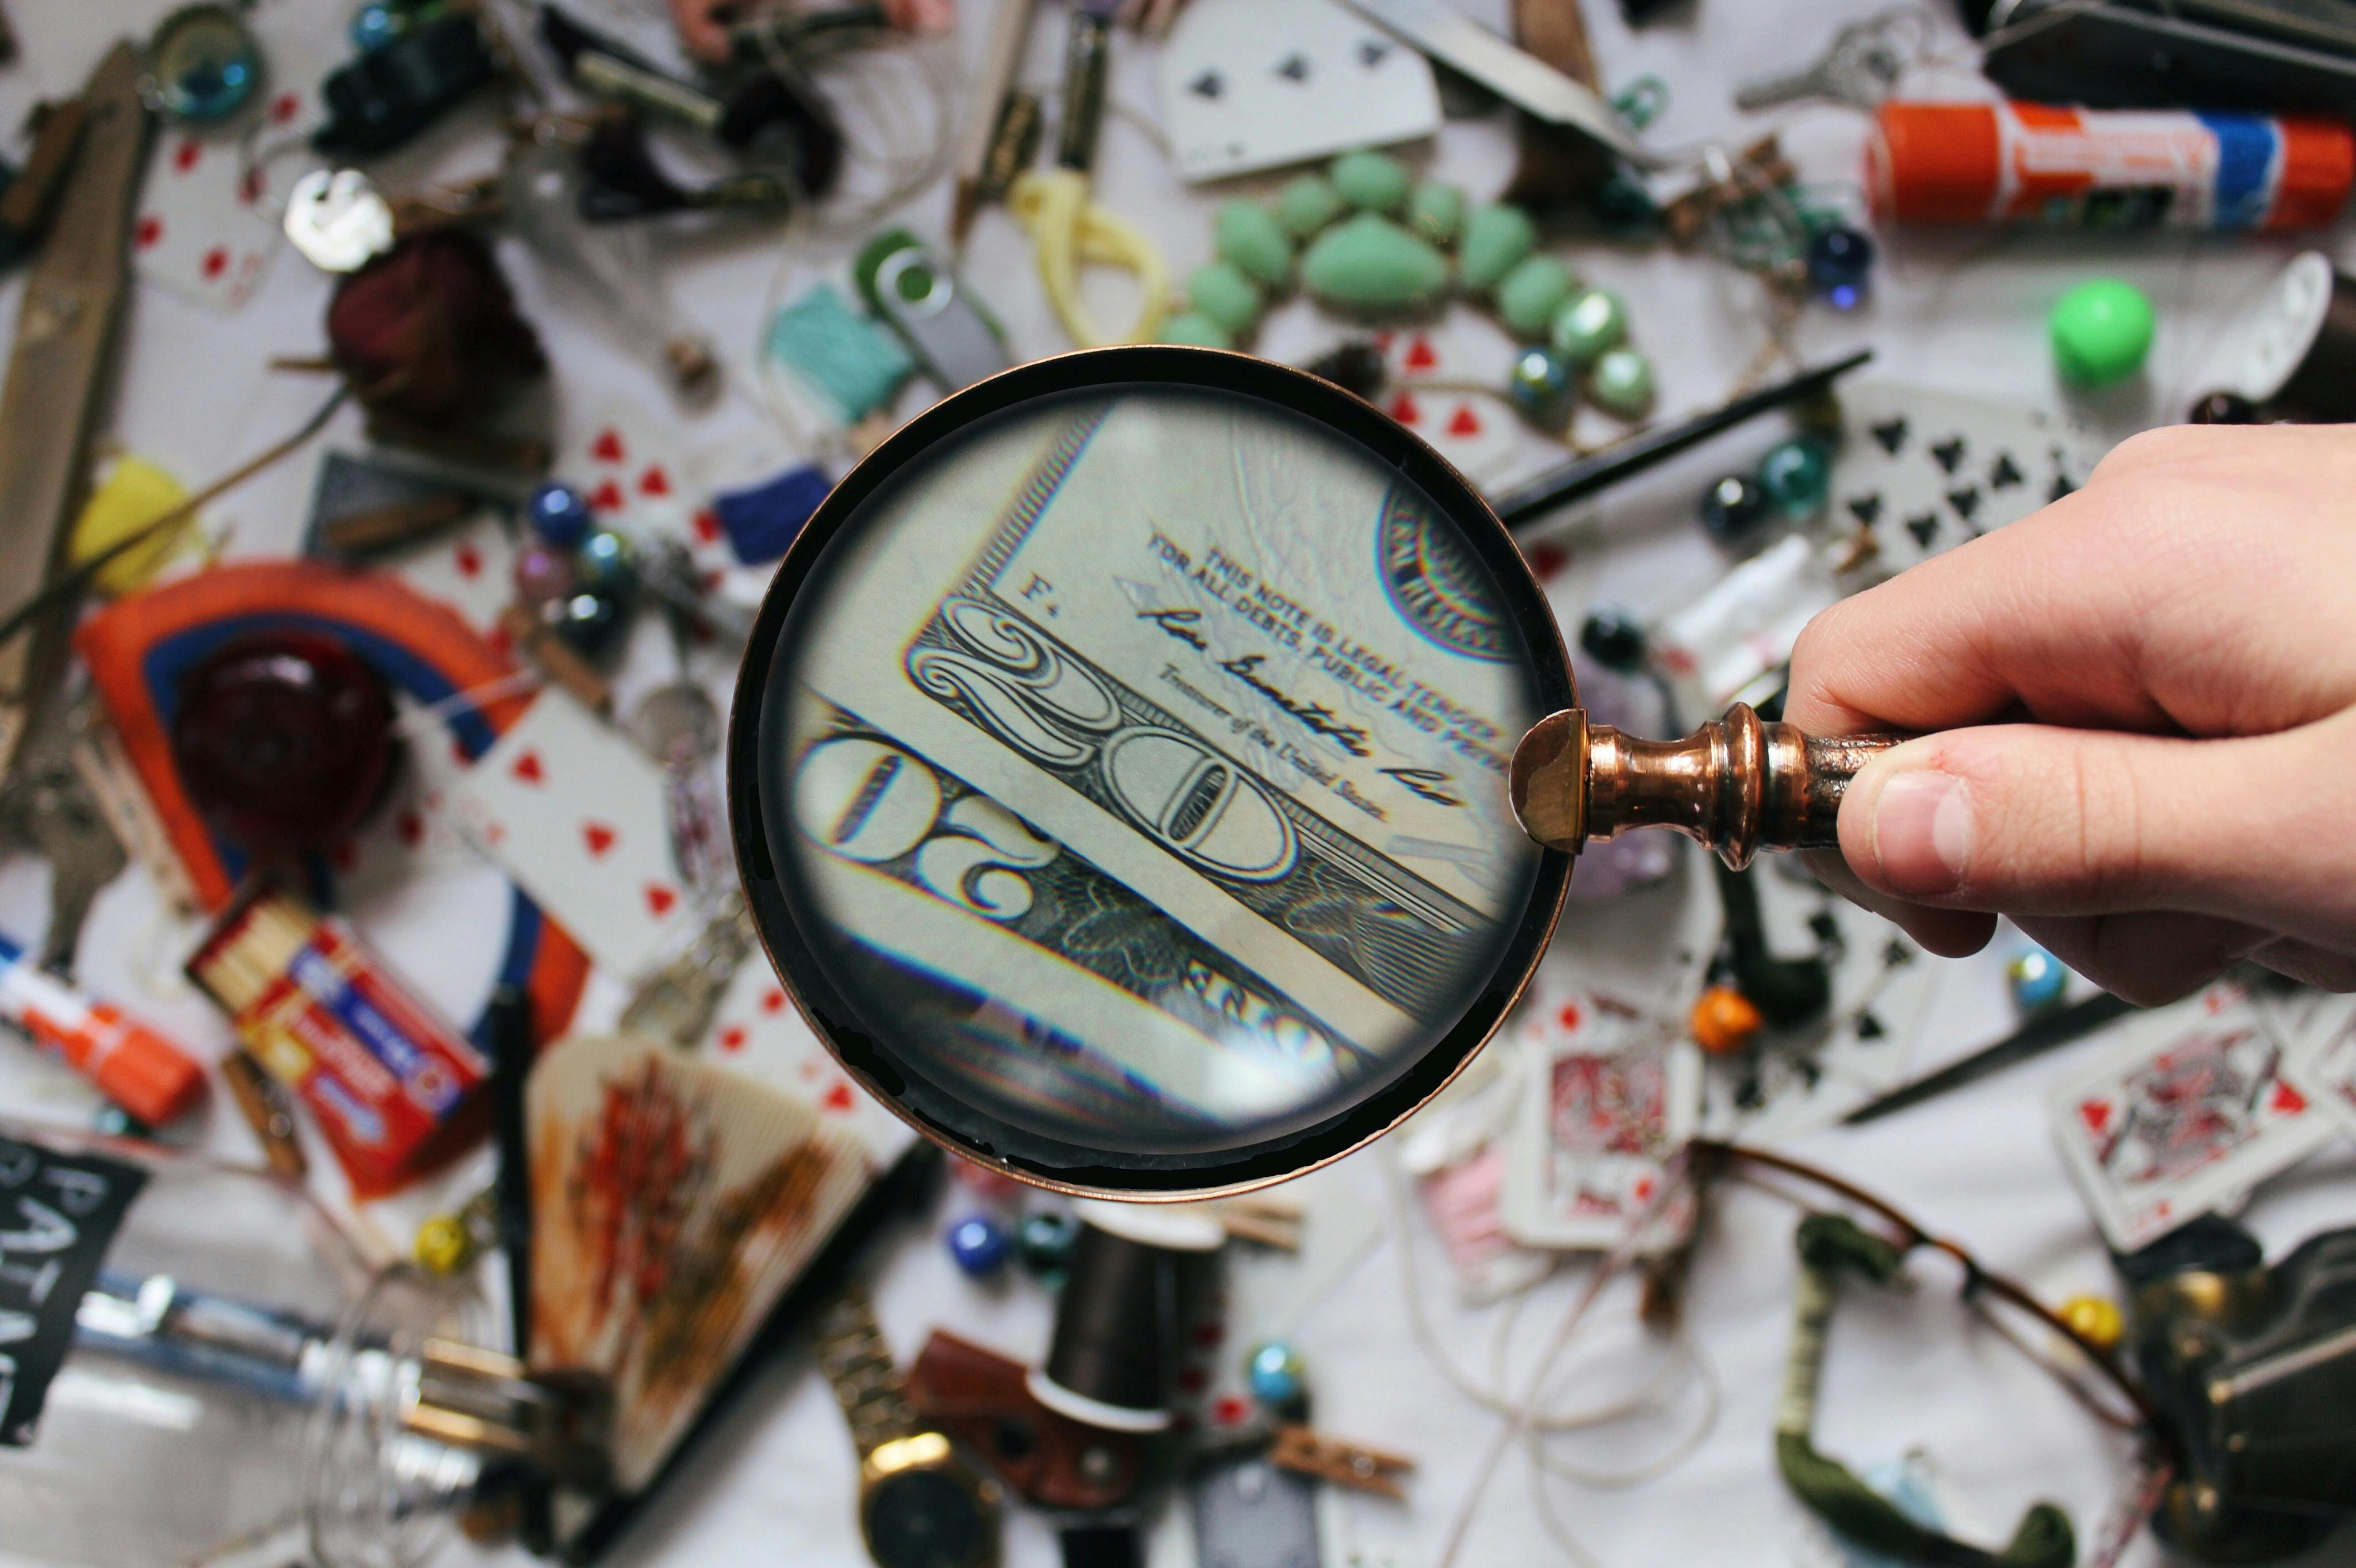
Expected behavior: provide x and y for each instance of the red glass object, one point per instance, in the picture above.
(284, 740)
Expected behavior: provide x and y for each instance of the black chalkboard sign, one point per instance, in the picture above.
(57, 1213)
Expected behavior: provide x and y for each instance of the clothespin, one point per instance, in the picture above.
(1351, 1464)
(1271, 1221)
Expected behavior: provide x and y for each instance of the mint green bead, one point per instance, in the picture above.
(1620, 383)
(1435, 212)
(2102, 332)
(1308, 204)
(1248, 235)
(1370, 264)
(1584, 328)
(1193, 328)
(1528, 297)
(1496, 238)
(1220, 291)
(1371, 182)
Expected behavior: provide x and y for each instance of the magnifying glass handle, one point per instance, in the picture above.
(1739, 784)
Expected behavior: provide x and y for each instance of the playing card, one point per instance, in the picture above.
(2320, 1059)
(759, 1033)
(1255, 84)
(1433, 372)
(1921, 471)
(1798, 1079)
(413, 832)
(208, 217)
(202, 230)
(673, 1202)
(628, 465)
(1611, 1094)
(2189, 1111)
(575, 814)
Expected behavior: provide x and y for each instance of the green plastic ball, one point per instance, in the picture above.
(2102, 332)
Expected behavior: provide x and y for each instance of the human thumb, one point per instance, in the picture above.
(2037, 820)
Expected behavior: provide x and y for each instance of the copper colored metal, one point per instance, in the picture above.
(1739, 784)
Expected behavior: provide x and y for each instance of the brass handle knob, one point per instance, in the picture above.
(1737, 784)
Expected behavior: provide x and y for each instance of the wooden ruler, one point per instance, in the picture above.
(57, 374)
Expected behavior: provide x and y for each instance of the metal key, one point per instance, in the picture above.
(1860, 68)
(48, 806)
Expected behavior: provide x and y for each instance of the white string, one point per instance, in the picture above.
(1529, 1418)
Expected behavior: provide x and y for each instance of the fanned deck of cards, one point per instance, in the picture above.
(1924, 470)
(2188, 1111)
(673, 1202)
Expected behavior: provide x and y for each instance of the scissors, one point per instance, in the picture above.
(1067, 225)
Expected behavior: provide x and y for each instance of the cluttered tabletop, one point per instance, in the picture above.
(797, 781)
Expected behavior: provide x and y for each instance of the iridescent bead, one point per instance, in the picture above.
(979, 1245)
(1540, 385)
(1731, 508)
(602, 564)
(559, 515)
(2225, 408)
(375, 26)
(2038, 980)
(1278, 1376)
(1047, 1239)
(1584, 328)
(1613, 639)
(1620, 383)
(1841, 259)
(587, 622)
(1797, 476)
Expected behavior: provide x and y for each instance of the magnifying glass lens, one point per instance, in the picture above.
(1131, 768)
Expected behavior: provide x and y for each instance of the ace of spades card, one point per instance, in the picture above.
(1256, 84)
(2188, 1111)
(1922, 471)
(1612, 1092)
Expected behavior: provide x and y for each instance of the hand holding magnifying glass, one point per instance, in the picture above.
(1155, 773)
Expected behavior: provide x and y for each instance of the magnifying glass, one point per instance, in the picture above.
(1155, 773)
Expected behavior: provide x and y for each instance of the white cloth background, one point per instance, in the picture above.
(1963, 312)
